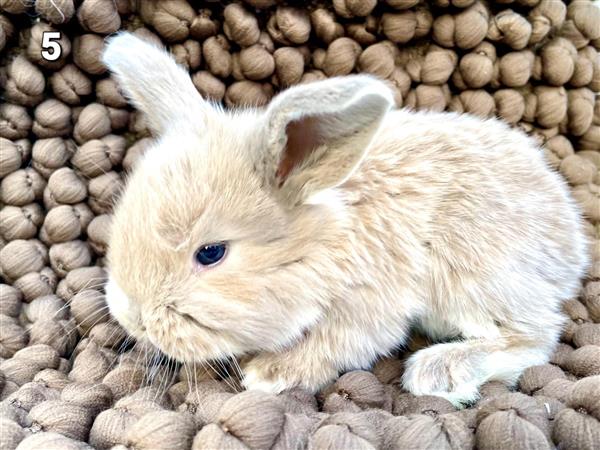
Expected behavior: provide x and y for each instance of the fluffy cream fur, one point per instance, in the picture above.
(443, 221)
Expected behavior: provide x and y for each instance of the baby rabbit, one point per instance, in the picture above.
(315, 233)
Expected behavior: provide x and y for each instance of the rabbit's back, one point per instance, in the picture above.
(497, 227)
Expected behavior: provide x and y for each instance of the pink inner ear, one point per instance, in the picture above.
(303, 137)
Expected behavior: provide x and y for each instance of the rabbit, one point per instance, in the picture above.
(309, 237)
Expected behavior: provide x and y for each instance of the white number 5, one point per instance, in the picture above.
(51, 49)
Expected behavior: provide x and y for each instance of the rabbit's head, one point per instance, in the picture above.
(219, 238)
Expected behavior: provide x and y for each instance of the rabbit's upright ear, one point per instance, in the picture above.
(151, 78)
(319, 132)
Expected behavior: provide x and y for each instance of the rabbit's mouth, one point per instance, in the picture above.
(175, 333)
(181, 336)
(191, 319)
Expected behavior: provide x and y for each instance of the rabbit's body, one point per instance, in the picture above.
(489, 240)
(345, 224)
(457, 226)
(472, 207)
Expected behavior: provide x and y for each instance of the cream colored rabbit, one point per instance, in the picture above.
(313, 234)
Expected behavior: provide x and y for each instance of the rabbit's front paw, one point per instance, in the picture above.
(276, 372)
(261, 375)
(452, 371)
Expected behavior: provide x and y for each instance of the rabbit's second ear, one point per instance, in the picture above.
(318, 133)
(151, 78)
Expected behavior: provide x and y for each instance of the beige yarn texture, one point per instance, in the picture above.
(70, 378)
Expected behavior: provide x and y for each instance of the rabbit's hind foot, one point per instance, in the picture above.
(456, 370)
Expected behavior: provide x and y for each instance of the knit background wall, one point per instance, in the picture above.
(68, 137)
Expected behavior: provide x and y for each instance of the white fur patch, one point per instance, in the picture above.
(330, 198)
(253, 381)
(119, 305)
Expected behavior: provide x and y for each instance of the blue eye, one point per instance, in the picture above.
(210, 254)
